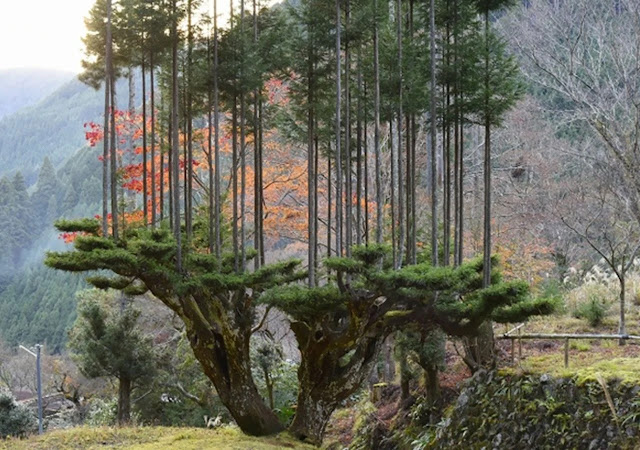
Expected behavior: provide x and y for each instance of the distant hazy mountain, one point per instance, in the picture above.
(52, 127)
(24, 87)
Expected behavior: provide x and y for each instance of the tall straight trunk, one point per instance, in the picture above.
(175, 151)
(446, 160)
(461, 191)
(399, 154)
(408, 188)
(329, 205)
(185, 148)
(394, 179)
(153, 144)
(243, 183)
(216, 130)
(359, 150)
(188, 206)
(366, 165)
(109, 129)
(316, 219)
(456, 141)
(211, 200)
(486, 278)
(311, 178)
(243, 162)
(456, 186)
(257, 160)
(414, 231)
(105, 147)
(170, 169)
(622, 330)
(124, 401)
(234, 176)
(261, 184)
(113, 160)
(411, 167)
(347, 140)
(376, 119)
(338, 131)
(434, 181)
(145, 174)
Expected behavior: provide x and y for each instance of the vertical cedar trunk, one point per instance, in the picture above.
(145, 175)
(257, 159)
(359, 151)
(243, 164)
(310, 171)
(446, 152)
(188, 204)
(211, 199)
(124, 401)
(329, 205)
(170, 169)
(316, 219)
(399, 149)
(486, 274)
(338, 131)
(175, 143)
(622, 330)
(365, 144)
(105, 157)
(434, 181)
(113, 160)
(376, 135)
(347, 139)
(153, 146)
(234, 177)
(216, 130)
(392, 159)
(261, 184)
(414, 231)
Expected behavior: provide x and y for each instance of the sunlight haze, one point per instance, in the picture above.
(48, 34)
(43, 34)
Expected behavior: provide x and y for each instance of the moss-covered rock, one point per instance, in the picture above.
(511, 410)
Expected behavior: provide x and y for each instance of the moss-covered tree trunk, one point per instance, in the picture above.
(331, 369)
(222, 348)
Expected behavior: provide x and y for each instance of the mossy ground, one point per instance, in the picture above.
(148, 438)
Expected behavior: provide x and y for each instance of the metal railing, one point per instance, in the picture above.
(556, 336)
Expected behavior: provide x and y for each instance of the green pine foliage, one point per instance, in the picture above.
(15, 420)
(106, 340)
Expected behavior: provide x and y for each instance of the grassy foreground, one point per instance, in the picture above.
(148, 438)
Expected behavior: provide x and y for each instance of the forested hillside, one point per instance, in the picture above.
(25, 284)
(24, 87)
(52, 128)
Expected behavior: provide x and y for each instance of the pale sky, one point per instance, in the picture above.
(42, 33)
(47, 33)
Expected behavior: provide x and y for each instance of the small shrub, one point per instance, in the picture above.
(593, 311)
(102, 412)
(15, 420)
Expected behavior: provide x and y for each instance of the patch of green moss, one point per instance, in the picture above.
(147, 438)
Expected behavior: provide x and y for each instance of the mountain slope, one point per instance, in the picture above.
(51, 128)
(24, 87)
